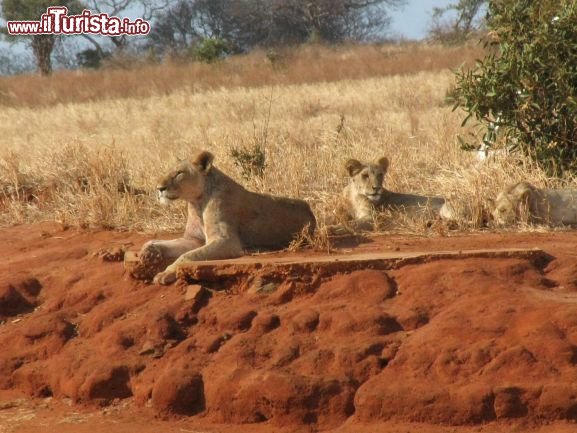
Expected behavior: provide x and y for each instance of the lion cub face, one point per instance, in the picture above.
(510, 203)
(187, 180)
(504, 212)
(367, 179)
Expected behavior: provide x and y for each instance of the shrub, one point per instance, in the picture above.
(525, 89)
(91, 58)
(252, 162)
(210, 50)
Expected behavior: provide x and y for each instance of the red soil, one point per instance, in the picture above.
(481, 344)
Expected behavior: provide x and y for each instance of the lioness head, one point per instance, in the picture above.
(187, 180)
(511, 202)
(367, 179)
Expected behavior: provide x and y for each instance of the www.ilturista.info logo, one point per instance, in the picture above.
(56, 21)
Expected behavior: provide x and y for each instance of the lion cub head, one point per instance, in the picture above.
(187, 180)
(512, 202)
(367, 179)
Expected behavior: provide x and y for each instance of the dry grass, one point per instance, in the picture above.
(85, 163)
(310, 64)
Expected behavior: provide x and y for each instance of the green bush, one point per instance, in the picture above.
(210, 50)
(91, 58)
(526, 86)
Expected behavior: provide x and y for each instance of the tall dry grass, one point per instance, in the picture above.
(94, 163)
(308, 64)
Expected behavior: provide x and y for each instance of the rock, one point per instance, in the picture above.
(179, 391)
(148, 348)
(259, 287)
(146, 266)
(107, 383)
(113, 254)
(215, 344)
(194, 292)
(558, 401)
(306, 321)
(239, 321)
(509, 402)
(264, 323)
(12, 302)
(281, 398)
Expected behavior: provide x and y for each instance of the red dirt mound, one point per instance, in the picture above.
(459, 342)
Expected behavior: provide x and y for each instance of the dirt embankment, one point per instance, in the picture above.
(461, 342)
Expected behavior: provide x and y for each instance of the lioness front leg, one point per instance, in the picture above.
(169, 249)
(218, 249)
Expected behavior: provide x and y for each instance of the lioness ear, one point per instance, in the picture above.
(353, 166)
(384, 162)
(203, 161)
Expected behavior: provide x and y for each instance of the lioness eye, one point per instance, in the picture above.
(365, 176)
(179, 173)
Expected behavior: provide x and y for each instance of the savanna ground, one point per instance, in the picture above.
(483, 345)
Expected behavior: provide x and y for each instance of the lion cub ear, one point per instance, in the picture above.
(203, 161)
(522, 191)
(353, 166)
(384, 162)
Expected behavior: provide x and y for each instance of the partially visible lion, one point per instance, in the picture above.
(525, 202)
(366, 194)
(224, 218)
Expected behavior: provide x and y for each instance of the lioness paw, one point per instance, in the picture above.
(165, 278)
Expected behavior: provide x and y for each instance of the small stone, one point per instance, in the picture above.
(147, 349)
(194, 292)
(113, 254)
(259, 287)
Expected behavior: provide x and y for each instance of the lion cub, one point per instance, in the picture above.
(223, 217)
(523, 201)
(365, 194)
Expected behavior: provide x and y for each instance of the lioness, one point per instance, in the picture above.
(542, 206)
(223, 217)
(365, 194)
